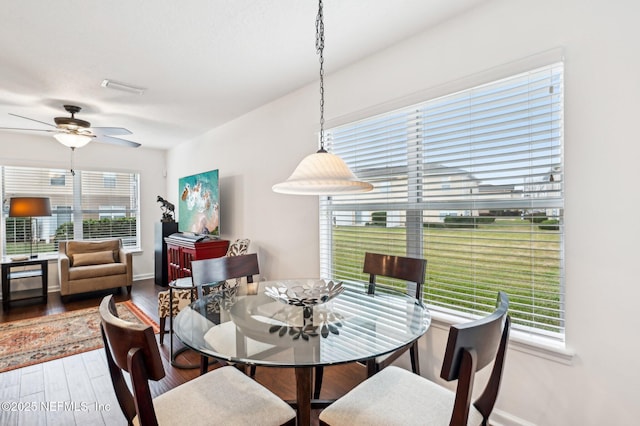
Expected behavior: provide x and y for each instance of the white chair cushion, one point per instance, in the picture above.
(395, 396)
(222, 396)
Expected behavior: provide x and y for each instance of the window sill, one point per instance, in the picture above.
(520, 341)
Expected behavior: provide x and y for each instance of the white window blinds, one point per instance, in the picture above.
(89, 205)
(472, 182)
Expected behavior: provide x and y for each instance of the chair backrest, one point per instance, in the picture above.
(130, 347)
(212, 271)
(238, 247)
(404, 268)
(471, 347)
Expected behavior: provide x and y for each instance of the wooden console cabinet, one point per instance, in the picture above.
(182, 251)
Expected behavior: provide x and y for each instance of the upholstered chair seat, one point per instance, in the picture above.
(396, 408)
(238, 399)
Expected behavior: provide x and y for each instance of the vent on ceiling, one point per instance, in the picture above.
(110, 84)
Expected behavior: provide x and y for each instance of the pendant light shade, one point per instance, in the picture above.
(322, 173)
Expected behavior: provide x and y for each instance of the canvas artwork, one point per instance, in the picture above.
(199, 203)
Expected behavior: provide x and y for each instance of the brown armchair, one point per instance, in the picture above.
(85, 266)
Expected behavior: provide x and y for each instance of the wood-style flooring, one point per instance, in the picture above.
(77, 390)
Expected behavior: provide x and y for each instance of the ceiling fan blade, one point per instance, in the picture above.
(116, 141)
(30, 130)
(110, 131)
(32, 119)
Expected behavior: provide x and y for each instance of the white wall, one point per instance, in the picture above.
(43, 151)
(600, 41)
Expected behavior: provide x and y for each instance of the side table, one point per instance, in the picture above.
(9, 275)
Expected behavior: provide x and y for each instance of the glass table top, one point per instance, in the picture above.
(245, 325)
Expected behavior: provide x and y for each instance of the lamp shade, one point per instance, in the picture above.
(29, 207)
(322, 173)
(72, 140)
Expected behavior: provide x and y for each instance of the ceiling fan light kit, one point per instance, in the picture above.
(322, 173)
(73, 140)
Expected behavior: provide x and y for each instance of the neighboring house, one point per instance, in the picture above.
(436, 184)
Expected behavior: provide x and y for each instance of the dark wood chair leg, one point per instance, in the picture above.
(129, 289)
(204, 364)
(252, 372)
(163, 322)
(415, 359)
(318, 382)
(372, 367)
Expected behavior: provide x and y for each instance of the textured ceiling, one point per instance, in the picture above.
(203, 62)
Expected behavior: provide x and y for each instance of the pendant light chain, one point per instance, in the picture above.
(322, 173)
(320, 50)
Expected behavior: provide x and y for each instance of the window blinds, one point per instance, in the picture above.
(89, 205)
(471, 181)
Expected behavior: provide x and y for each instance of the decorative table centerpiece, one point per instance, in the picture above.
(306, 294)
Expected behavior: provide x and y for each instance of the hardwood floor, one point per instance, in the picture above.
(77, 390)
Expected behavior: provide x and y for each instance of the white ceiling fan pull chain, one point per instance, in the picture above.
(73, 172)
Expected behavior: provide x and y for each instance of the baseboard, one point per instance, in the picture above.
(141, 277)
(502, 418)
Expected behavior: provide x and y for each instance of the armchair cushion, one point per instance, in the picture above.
(93, 258)
(81, 247)
(96, 271)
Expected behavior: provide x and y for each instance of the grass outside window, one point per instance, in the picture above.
(466, 267)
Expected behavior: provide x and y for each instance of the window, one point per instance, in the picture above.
(110, 180)
(472, 182)
(57, 177)
(112, 212)
(89, 205)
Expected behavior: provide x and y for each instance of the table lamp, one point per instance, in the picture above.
(30, 207)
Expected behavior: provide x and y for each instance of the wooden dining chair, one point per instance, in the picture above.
(397, 397)
(224, 395)
(403, 268)
(170, 306)
(215, 272)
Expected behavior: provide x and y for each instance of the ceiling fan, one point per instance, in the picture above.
(76, 133)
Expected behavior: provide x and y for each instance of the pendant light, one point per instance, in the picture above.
(321, 173)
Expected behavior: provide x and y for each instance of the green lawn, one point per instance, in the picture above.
(466, 267)
(13, 248)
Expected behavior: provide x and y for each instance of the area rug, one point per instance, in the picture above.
(41, 339)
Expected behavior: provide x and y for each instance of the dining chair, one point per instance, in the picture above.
(409, 269)
(224, 395)
(215, 272)
(398, 397)
(182, 298)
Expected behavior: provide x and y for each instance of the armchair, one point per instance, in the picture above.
(85, 266)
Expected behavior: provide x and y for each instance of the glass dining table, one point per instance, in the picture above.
(244, 325)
